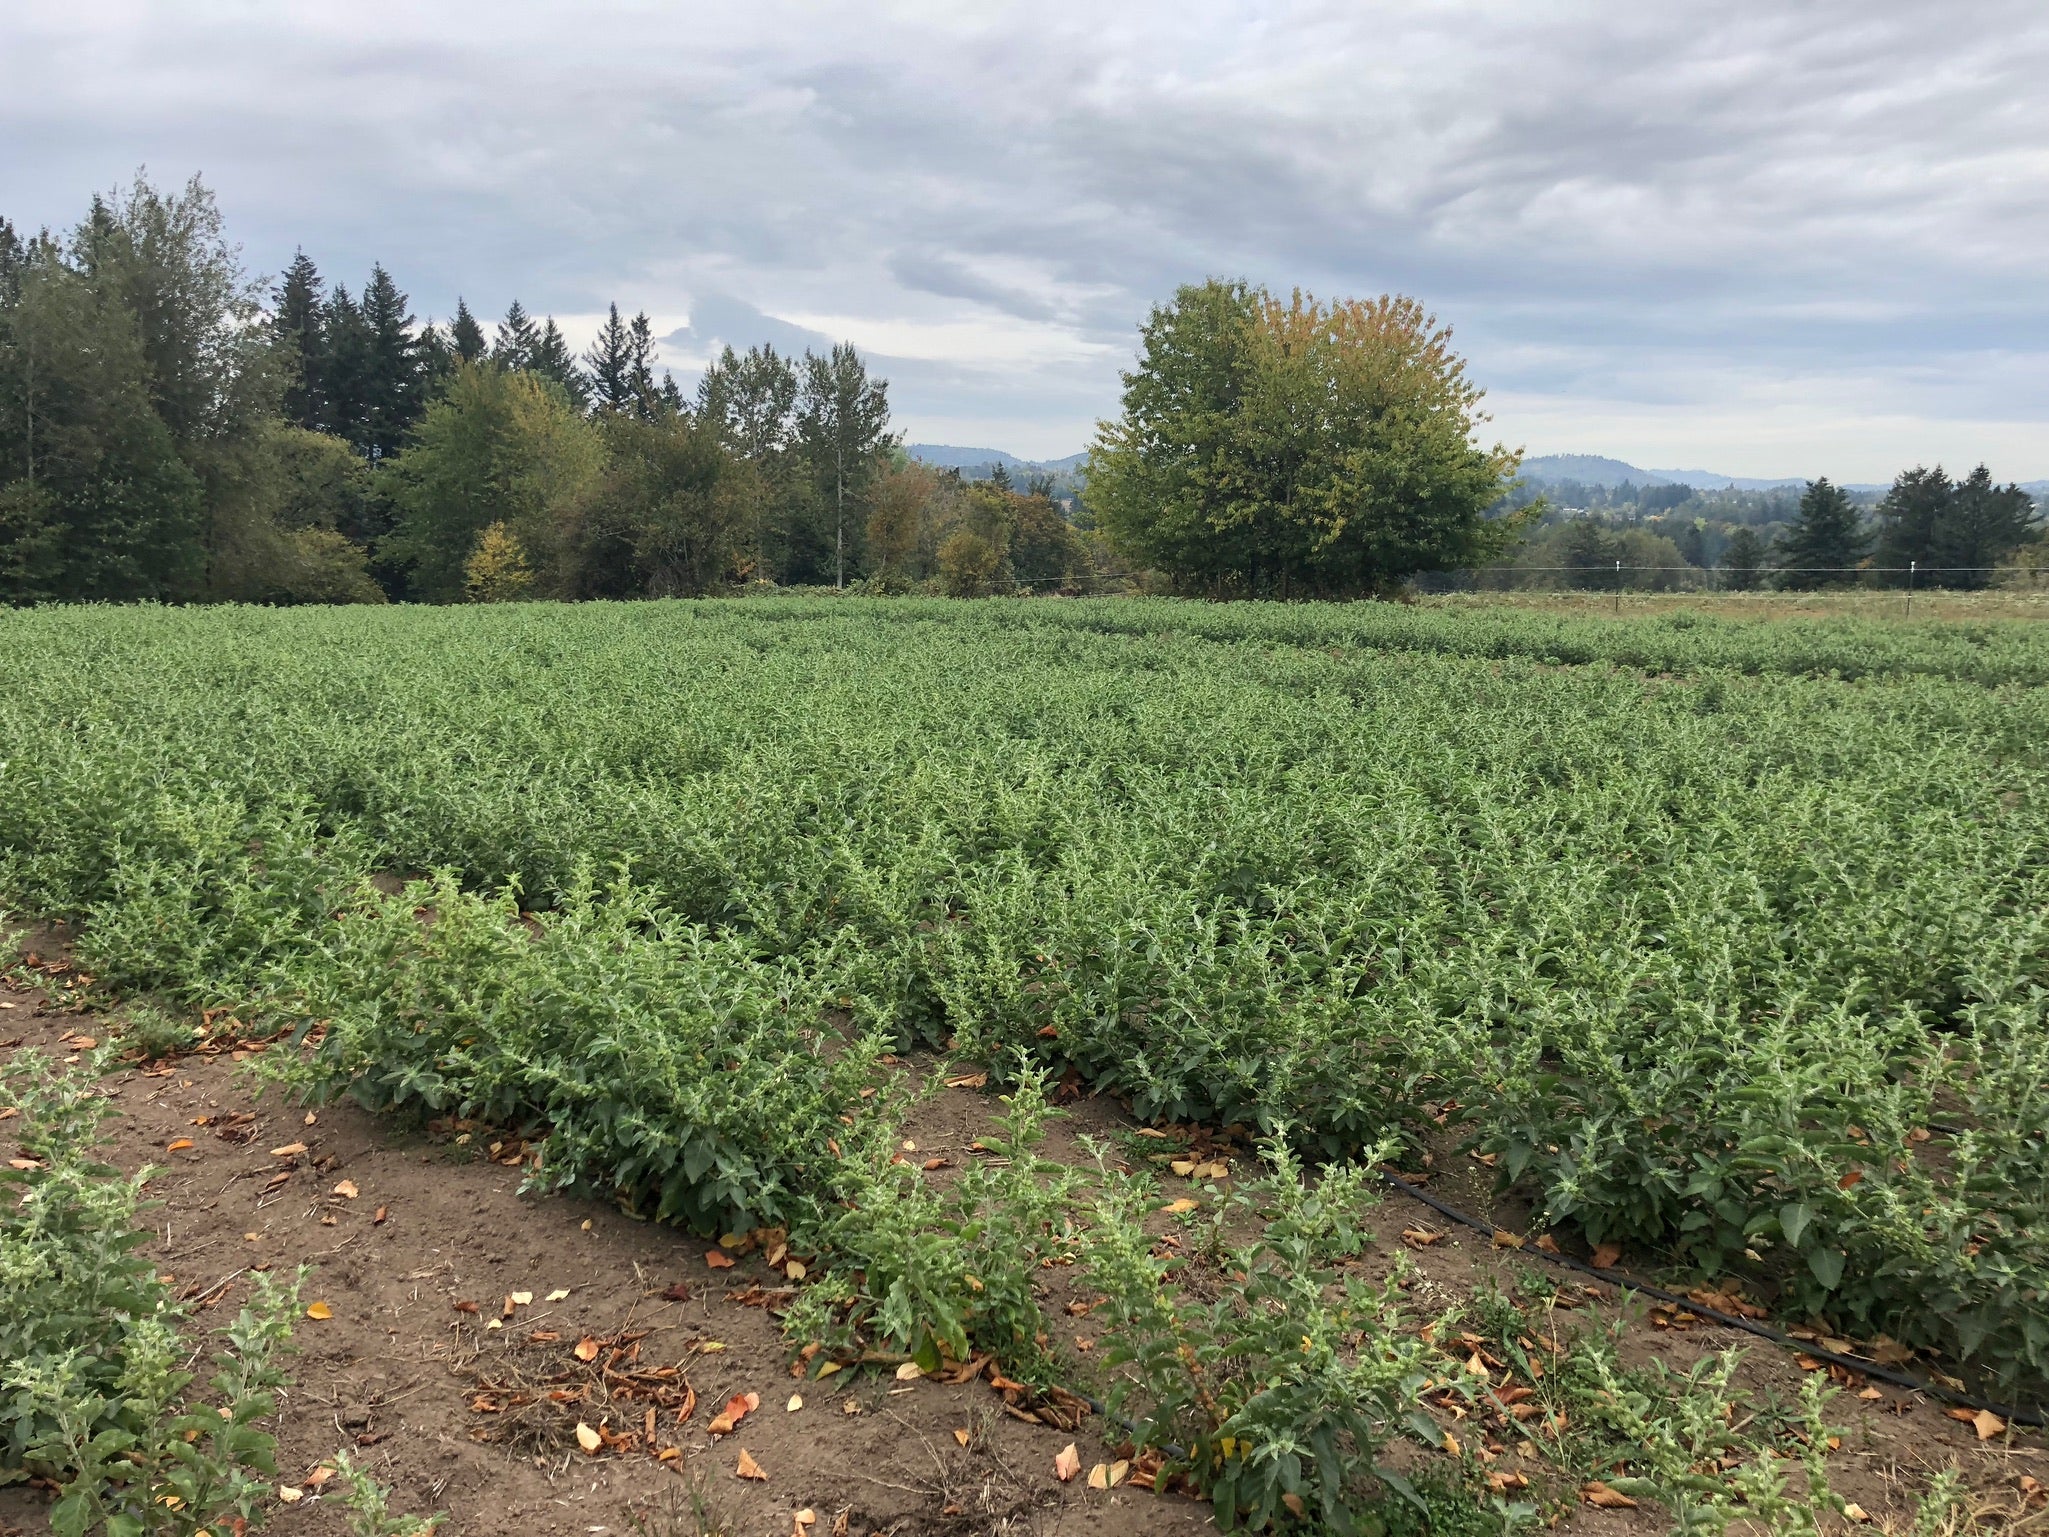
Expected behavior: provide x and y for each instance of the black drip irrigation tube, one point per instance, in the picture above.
(2011, 1413)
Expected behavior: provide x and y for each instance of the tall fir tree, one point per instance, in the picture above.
(552, 359)
(1827, 542)
(394, 393)
(344, 377)
(465, 337)
(1590, 553)
(1983, 524)
(1743, 560)
(296, 320)
(608, 364)
(517, 338)
(1908, 517)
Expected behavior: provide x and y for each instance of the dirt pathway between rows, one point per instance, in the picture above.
(407, 1232)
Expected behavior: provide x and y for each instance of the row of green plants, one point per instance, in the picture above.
(1744, 969)
(97, 1395)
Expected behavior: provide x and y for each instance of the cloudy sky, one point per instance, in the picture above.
(1751, 236)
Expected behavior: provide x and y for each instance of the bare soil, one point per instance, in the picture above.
(406, 1229)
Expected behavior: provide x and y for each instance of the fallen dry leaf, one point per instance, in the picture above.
(1503, 1239)
(749, 1468)
(796, 1402)
(521, 1299)
(1066, 1463)
(319, 1476)
(717, 1261)
(1600, 1494)
(588, 1439)
(464, 1305)
(178, 1145)
(1099, 1476)
(795, 1270)
(377, 1219)
(320, 1310)
(290, 1495)
(1420, 1237)
(289, 1150)
(738, 1407)
(1177, 1208)
(968, 1081)
(587, 1349)
(1987, 1424)
(1185, 1167)
(1855, 1512)
(347, 1190)
(1548, 1244)
(557, 1294)
(1604, 1258)
(961, 1436)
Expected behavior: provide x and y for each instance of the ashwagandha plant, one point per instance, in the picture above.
(943, 1270)
(1277, 1394)
(95, 1390)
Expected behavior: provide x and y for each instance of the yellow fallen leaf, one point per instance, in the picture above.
(253, 1237)
(178, 1146)
(796, 1402)
(828, 1369)
(1066, 1463)
(496, 1323)
(521, 1299)
(320, 1310)
(1987, 1424)
(289, 1150)
(795, 1270)
(290, 1495)
(558, 1294)
(311, 1117)
(961, 1436)
(347, 1190)
(1855, 1512)
(1117, 1471)
(1099, 1476)
(1185, 1167)
(910, 1371)
(1177, 1208)
(749, 1468)
(588, 1439)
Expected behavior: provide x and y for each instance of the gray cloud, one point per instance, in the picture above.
(1781, 239)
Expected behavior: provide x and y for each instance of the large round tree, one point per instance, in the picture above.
(1295, 449)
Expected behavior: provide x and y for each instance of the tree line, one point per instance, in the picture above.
(1927, 529)
(173, 429)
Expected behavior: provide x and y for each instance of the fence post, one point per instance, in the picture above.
(1912, 565)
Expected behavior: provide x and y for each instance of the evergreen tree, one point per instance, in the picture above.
(843, 425)
(1983, 525)
(394, 392)
(552, 359)
(999, 475)
(1743, 560)
(344, 377)
(643, 393)
(296, 321)
(517, 339)
(609, 365)
(1908, 517)
(465, 337)
(1827, 541)
(1591, 554)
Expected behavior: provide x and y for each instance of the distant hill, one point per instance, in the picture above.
(947, 456)
(1594, 470)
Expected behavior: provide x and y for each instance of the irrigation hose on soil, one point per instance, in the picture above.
(2008, 1412)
